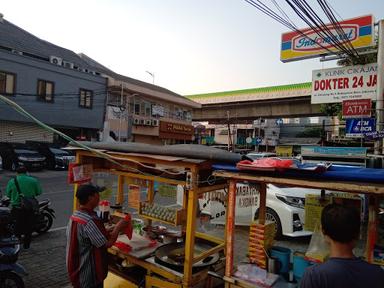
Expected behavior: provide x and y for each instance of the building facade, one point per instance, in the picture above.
(82, 98)
(52, 84)
(142, 112)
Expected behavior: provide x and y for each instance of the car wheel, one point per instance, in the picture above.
(272, 216)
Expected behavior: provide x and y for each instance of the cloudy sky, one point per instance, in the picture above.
(191, 47)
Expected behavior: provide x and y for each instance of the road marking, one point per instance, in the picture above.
(57, 229)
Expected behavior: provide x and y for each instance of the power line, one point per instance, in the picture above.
(305, 12)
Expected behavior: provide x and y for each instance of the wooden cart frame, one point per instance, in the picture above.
(374, 190)
(157, 275)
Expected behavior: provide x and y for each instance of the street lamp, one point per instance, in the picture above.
(153, 76)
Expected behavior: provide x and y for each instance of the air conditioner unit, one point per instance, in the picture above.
(148, 122)
(155, 122)
(142, 122)
(136, 121)
(67, 64)
(56, 60)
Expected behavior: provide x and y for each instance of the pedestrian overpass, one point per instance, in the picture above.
(244, 106)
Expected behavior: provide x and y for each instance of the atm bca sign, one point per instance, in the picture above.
(357, 108)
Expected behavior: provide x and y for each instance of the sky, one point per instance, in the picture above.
(191, 47)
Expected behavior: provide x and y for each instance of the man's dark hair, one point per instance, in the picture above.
(340, 223)
(84, 191)
(21, 169)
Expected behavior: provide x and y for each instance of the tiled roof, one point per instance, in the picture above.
(254, 94)
(15, 38)
(101, 68)
(280, 88)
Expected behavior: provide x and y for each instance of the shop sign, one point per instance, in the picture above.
(306, 43)
(176, 128)
(333, 151)
(284, 151)
(279, 121)
(168, 191)
(359, 127)
(375, 135)
(258, 140)
(177, 131)
(134, 196)
(79, 174)
(344, 83)
(247, 201)
(357, 108)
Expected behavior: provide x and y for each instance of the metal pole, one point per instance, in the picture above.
(120, 113)
(380, 87)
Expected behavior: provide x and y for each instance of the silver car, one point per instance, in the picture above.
(256, 155)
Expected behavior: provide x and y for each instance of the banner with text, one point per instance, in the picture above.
(344, 83)
(307, 43)
(359, 127)
(357, 108)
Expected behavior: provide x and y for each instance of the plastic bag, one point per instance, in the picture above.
(318, 249)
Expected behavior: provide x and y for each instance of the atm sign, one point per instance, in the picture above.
(357, 108)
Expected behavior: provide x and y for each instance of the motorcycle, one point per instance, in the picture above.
(11, 272)
(44, 216)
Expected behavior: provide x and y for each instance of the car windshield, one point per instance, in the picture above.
(255, 156)
(58, 151)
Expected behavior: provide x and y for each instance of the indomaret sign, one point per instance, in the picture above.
(308, 43)
(344, 83)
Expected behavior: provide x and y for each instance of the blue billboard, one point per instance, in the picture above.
(359, 127)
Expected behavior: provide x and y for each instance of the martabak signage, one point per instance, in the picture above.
(308, 43)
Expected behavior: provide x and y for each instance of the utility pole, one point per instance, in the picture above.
(229, 133)
(380, 88)
(121, 112)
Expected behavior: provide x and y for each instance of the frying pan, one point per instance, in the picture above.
(172, 256)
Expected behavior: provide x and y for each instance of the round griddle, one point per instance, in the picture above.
(172, 256)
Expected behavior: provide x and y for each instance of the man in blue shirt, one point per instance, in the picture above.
(341, 228)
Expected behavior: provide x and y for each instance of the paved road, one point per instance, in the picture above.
(55, 188)
(45, 260)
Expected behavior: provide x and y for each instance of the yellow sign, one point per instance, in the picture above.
(313, 207)
(307, 43)
(134, 196)
(285, 151)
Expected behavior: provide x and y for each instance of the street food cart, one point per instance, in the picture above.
(373, 190)
(193, 175)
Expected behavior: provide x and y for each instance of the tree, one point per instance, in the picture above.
(335, 109)
(367, 55)
(312, 132)
(332, 109)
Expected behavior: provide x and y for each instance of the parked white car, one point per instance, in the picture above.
(285, 207)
